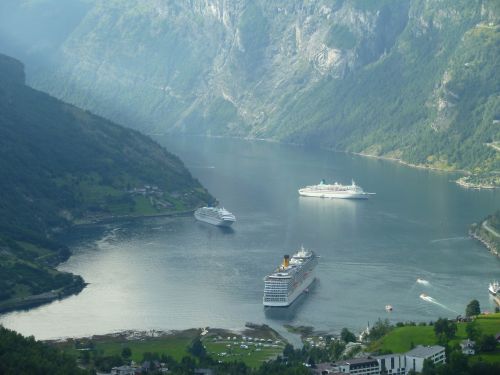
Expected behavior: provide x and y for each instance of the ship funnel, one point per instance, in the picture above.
(286, 261)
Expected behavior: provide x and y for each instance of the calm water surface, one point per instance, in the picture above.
(175, 273)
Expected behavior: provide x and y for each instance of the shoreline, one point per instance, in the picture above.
(252, 344)
(27, 303)
(475, 232)
(35, 300)
(116, 219)
(460, 181)
(140, 334)
(491, 248)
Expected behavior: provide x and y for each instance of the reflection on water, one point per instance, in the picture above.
(213, 230)
(175, 273)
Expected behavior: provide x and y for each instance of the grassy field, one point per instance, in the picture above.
(401, 339)
(252, 353)
(174, 344)
(252, 347)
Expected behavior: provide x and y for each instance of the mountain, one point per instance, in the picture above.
(60, 165)
(415, 80)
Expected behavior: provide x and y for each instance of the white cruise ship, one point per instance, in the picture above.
(215, 215)
(336, 190)
(289, 280)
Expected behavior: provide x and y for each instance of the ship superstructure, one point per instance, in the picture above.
(335, 190)
(494, 288)
(215, 215)
(290, 279)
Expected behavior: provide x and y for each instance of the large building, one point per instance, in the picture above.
(390, 364)
(415, 357)
(394, 364)
(358, 366)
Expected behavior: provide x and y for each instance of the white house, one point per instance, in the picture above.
(468, 347)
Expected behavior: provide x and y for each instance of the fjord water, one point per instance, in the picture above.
(174, 272)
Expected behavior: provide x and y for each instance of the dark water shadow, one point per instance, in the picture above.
(214, 229)
(226, 230)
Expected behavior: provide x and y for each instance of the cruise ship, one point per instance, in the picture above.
(336, 190)
(290, 279)
(494, 288)
(215, 216)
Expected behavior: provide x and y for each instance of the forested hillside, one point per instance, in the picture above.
(26, 356)
(416, 80)
(60, 165)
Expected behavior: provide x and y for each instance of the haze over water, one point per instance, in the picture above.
(175, 273)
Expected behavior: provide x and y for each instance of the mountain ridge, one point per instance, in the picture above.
(415, 80)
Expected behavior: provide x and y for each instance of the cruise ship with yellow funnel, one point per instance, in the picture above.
(290, 279)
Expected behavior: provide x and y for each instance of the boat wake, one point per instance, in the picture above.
(429, 299)
(202, 167)
(450, 239)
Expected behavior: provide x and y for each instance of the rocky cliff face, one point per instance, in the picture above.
(413, 79)
(223, 65)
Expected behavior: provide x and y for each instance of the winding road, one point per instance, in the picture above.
(490, 229)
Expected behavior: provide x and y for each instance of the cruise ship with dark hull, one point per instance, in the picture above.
(290, 279)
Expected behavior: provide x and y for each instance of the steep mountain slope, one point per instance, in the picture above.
(416, 80)
(58, 165)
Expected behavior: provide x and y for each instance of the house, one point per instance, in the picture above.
(468, 347)
(123, 370)
(415, 357)
(358, 366)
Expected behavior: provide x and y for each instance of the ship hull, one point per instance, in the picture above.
(213, 220)
(333, 195)
(294, 295)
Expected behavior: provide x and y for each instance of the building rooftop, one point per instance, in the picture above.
(389, 356)
(425, 351)
(468, 342)
(356, 361)
(324, 366)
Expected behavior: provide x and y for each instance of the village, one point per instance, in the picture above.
(358, 355)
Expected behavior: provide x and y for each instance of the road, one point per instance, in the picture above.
(490, 229)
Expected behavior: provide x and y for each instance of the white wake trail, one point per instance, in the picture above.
(429, 299)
